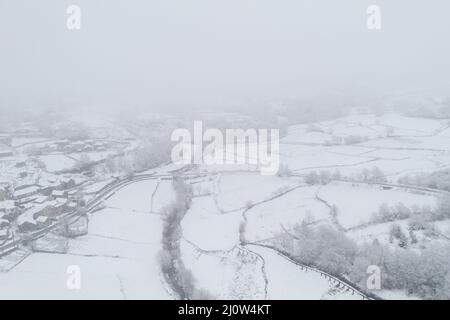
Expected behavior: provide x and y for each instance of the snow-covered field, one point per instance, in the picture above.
(134, 198)
(274, 217)
(163, 196)
(238, 191)
(286, 280)
(209, 229)
(235, 274)
(211, 241)
(395, 144)
(356, 203)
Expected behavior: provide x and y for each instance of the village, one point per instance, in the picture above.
(43, 181)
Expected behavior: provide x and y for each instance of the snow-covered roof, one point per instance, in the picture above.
(40, 199)
(30, 213)
(28, 216)
(58, 193)
(66, 179)
(54, 203)
(25, 191)
(72, 204)
(41, 219)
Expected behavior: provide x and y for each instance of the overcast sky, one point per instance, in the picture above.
(148, 52)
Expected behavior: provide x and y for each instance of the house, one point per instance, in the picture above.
(42, 220)
(26, 200)
(26, 221)
(51, 209)
(4, 234)
(40, 200)
(72, 205)
(9, 209)
(20, 164)
(47, 189)
(78, 228)
(73, 193)
(25, 192)
(30, 221)
(60, 194)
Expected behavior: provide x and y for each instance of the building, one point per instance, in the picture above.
(8, 209)
(31, 220)
(25, 192)
(52, 209)
(4, 223)
(40, 200)
(4, 234)
(60, 194)
(20, 164)
(4, 193)
(27, 200)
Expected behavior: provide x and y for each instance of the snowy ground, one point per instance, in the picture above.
(271, 206)
(272, 218)
(286, 280)
(396, 144)
(238, 191)
(211, 241)
(366, 200)
(117, 259)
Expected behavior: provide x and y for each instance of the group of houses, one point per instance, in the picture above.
(31, 198)
(68, 146)
(7, 213)
(33, 207)
(43, 214)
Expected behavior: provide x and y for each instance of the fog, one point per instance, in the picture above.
(206, 53)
